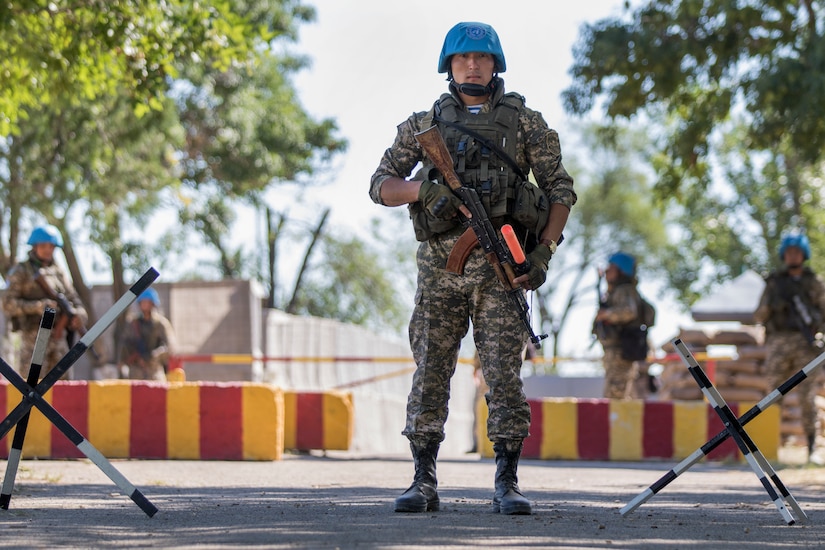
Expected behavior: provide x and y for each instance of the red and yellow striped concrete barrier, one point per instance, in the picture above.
(605, 429)
(135, 419)
(318, 420)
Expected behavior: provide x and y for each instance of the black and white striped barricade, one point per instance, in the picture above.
(747, 447)
(33, 395)
(40, 344)
(723, 436)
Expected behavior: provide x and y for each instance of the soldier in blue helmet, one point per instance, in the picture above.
(621, 325)
(25, 300)
(495, 140)
(792, 309)
(147, 341)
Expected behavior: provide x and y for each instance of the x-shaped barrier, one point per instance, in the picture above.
(734, 427)
(33, 397)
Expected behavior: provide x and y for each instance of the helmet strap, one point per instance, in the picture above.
(475, 90)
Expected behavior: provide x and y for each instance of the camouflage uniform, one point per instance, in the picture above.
(146, 345)
(24, 302)
(788, 347)
(445, 301)
(622, 307)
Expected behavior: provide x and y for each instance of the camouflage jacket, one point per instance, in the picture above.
(24, 300)
(143, 339)
(621, 305)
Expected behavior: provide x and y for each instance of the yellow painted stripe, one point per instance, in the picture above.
(690, 427)
(262, 408)
(560, 439)
(290, 419)
(110, 406)
(764, 429)
(183, 421)
(338, 420)
(625, 429)
(38, 442)
(485, 446)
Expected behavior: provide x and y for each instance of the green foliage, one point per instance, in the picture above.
(615, 211)
(701, 62)
(732, 95)
(74, 52)
(354, 286)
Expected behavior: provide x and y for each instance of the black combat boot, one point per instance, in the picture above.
(508, 498)
(422, 495)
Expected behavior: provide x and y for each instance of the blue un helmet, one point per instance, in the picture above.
(797, 239)
(624, 262)
(46, 234)
(150, 294)
(471, 37)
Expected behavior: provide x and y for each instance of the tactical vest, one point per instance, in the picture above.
(794, 309)
(503, 193)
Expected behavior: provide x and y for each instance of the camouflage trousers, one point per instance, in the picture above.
(619, 374)
(444, 305)
(55, 350)
(788, 353)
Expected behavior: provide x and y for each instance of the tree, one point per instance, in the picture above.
(615, 211)
(74, 52)
(763, 58)
(738, 114)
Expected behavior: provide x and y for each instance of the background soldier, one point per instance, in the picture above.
(148, 340)
(621, 313)
(494, 140)
(791, 309)
(26, 299)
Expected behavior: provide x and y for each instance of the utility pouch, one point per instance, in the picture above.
(531, 208)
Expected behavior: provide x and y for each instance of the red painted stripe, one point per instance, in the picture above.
(728, 449)
(594, 429)
(147, 421)
(532, 445)
(5, 443)
(71, 400)
(657, 430)
(221, 436)
(309, 426)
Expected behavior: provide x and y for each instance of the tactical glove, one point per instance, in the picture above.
(539, 260)
(438, 200)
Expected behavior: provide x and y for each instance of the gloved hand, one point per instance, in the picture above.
(432, 194)
(539, 260)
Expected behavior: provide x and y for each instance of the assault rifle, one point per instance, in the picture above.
(67, 311)
(496, 251)
(806, 322)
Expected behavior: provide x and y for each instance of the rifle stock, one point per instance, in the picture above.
(67, 310)
(496, 251)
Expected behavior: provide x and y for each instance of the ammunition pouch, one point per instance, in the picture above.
(531, 208)
(426, 225)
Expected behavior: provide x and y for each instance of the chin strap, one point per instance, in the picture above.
(475, 90)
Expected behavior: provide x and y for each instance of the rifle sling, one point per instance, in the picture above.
(502, 154)
(462, 248)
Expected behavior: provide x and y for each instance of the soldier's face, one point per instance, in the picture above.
(794, 257)
(473, 68)
(146, 306)
(44, 251)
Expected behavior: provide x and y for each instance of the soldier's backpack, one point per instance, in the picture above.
(633, 336)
